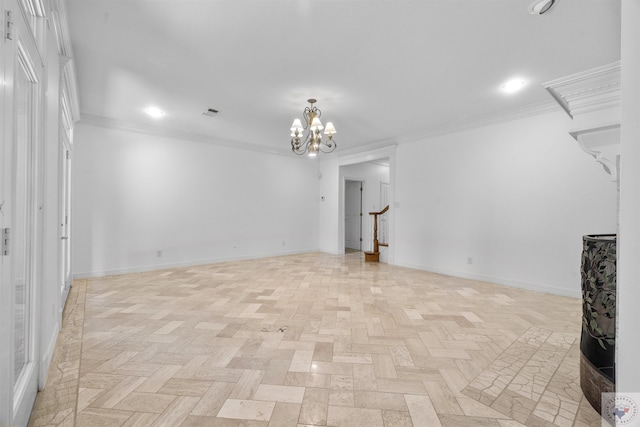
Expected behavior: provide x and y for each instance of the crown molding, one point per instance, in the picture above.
(178, 134)
(377, 146)
(592, 99)
(517, 113)
(367, 153)
(591, 90)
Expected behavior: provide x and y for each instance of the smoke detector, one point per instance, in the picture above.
(539, 7)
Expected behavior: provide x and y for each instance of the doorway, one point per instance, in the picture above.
(371, 170)
(353, 215)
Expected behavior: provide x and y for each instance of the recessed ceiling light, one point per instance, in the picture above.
(154, 112)
(513, 85)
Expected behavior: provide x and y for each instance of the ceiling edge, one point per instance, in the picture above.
(530, 110)
(178, 134)
(591, 90)
(541, 107)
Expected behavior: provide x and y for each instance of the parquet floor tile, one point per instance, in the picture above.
(312, 340)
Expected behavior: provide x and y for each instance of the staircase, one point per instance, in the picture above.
(374, 256)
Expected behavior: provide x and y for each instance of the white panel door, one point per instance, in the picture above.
(353, 215)
(18, 294)
(65, 218)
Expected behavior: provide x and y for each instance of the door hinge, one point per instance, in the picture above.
(68, 155)
(9, 33)
(6, 241)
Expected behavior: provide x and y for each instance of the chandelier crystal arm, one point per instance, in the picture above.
(331, 145)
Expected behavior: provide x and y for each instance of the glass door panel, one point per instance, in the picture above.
(23, 217)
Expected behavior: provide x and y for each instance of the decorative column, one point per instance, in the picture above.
(593, 100)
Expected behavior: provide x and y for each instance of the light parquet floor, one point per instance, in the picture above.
(313, 340)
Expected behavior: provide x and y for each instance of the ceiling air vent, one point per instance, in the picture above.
(210, 112)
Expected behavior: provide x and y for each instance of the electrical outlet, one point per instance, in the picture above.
(284, 243)
(469, 260)
(159, 254)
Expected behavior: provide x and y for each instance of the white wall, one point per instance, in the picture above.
(515, 197)
(136, 194)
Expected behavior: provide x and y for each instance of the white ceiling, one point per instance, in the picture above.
(382, 70)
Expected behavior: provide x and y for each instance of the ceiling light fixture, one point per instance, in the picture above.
(312, 142)
(539, 7)
(513, 85)
(154, 112)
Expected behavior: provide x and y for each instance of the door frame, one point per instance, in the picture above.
(21, 53)
(387, 152)
(65, 168)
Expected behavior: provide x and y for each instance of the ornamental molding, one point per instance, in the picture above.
(602, 142)
(592, 90)
(58, 19)
(592, 99)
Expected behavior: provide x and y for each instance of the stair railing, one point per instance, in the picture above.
(376, 244)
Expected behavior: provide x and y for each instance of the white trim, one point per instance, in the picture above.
(325, 251)
(534, 109)
(70, 88)
(47, 355)
(156, 267)
(61, 28)
(523, 112)
(603, 130)
(367, 155)
(591, 90)
(495, 280)
(25, 60)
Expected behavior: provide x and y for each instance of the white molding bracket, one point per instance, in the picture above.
(602, 142)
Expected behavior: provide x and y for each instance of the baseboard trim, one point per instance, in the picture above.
(46, 357)
(166, 266)
(495, 280)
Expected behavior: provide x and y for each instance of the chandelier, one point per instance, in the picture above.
(312, 142)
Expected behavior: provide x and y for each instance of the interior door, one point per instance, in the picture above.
(65, 220)
(353, 215)
(18, 326)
